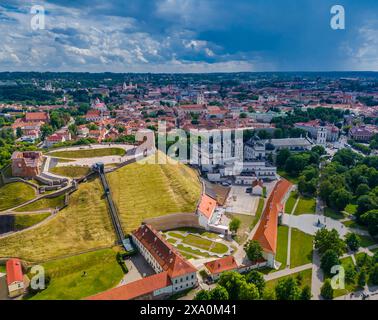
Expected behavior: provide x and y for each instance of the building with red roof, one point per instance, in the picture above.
(266, 233)
(173, 272)
(15, 278)
(37, 117)
(216, 267)
(154, 287)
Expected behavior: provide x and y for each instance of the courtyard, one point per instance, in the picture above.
(197, 244)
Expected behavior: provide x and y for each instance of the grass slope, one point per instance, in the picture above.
(43, 204)
(143, 191)
(289, 205)
(23, 221)
(67, 280)
(83, 225)
(14, 194)
(89, 153)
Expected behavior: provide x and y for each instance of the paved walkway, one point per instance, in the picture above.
(287, 272)
(308, 223)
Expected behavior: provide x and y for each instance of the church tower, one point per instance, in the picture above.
(322, 136)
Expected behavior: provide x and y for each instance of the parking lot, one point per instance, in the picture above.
(241, 202)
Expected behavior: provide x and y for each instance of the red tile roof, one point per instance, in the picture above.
(266, 232)
(135, 289)
(36, 116)
(221, 265)
(164, 253)
(207, 206)
(14, 271)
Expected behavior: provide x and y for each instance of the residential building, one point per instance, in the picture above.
(362, 133)
(313, 126)
(37, 117)
(266, 233)
(211, 217)
(163, 257)
(15, 278)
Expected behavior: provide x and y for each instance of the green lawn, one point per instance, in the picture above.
(189, 251)
(367, 241)
(201, 243)
(282, 243)
(289, 205)
(200, 232)
(305, 281)
(284, 174)
(71, 171)
(67, 279)
(2, 268)
(43, 204)
(142, 191)
(305, 206)
(14, 194)
(258, 214)
(88, 153)
(175, 235)
(331, 213)
(23, 221)
(301, 248)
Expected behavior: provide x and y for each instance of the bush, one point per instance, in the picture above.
(327, 290)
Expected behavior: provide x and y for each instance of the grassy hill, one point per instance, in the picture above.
(143, 191)
(14, 194)
(83, 225)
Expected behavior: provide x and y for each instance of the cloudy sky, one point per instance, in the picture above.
(188, 36)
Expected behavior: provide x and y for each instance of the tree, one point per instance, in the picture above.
(202, 295)
(370, 218)
(373, 277)
(46, 130)
(282, 156)
(248, 291)
(362, 189)
(234, 224)
(329, 239)
(296, 163)
(257, 278)
(306, 293)
(287, 289)
(319, 150)
(219, 293)
(375, 257)
(339, 199)
(19, 132)
(350, 273)
(254, 250)
(362, 278)
(329, 259)
(231, 281)
(365, 204)
(327, 290)
(353, 241)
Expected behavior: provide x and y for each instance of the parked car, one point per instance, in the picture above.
(248, 190)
